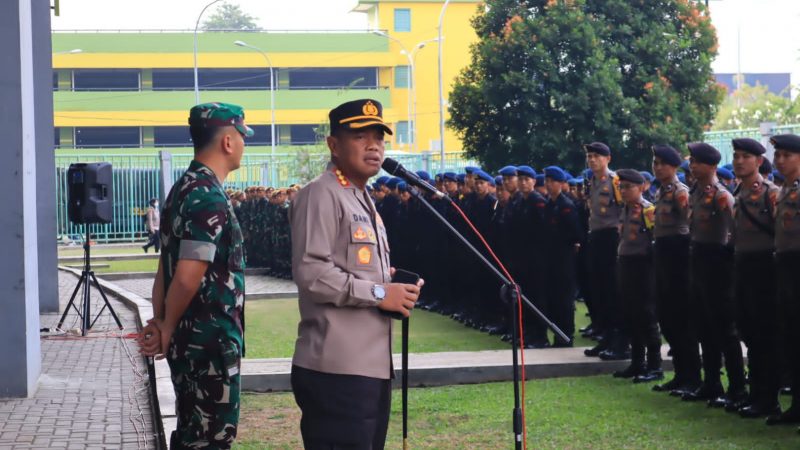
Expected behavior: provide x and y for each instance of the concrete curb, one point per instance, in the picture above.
(449, 368)
(164, 396)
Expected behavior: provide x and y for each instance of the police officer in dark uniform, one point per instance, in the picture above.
(605, 206)
(754, 274)
(710, 281)
(787, 249)
(561, 235)
(481, 216)
(635, 279)
(671, 268)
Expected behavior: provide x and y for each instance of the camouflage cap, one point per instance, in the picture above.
(216, 114)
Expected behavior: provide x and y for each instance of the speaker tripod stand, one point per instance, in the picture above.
(87, 277)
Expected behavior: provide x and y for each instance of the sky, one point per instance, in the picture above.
(757, 35)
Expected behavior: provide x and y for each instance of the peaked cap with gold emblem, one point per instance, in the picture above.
(358, 114)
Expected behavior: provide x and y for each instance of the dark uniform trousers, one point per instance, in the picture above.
(671, 258)
(635, 288)
(713, 306)
(788, 285)
(757, 314)
(341, 411)
(603, 260)
(559, 289)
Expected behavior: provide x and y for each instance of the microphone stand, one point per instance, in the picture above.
(509, 293)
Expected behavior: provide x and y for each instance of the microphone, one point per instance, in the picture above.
(395, 168)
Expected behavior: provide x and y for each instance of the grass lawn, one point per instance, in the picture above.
(137, 265)
(597, 412)
(272, 330)
(77, 250)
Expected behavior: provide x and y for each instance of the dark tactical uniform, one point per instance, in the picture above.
(754, 287)
(604, 212)
(635, 287)
(787, 248)
(710, 289)
(527, 229)
(206, 348)
(488, 287)
(561, 231)
(671, 265)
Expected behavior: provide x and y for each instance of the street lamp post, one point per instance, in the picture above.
(197, 25)
(272, 105)
(409, 83)
(441, 88)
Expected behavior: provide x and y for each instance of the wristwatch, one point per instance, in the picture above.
(378, 292)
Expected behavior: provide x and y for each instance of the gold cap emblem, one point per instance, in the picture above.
(370, 109)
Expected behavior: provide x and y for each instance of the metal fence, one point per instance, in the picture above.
(138, 178)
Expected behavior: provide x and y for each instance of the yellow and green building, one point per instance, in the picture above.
(133, 89)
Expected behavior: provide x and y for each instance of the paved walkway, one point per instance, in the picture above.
(93, 391)
(257, 286)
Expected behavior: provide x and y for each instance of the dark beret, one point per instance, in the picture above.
(526, 171)
(449, 176)
(748, 145)
(668, 155)
(778, 176)
(402, 186)
(630, 175)
(555, 173)
(765, 168)
(540, 179)
(704, 153)
(597, 147)
(647, 176)
(498, 180)
(461, 177)
(788, 142)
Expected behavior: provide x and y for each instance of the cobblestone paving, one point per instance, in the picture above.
(254, 285)
(92, 392)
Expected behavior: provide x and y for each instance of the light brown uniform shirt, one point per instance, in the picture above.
(758, 200)
(339, 252)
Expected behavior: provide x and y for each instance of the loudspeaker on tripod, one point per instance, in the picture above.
(90, 197)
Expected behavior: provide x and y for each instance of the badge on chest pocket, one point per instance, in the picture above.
(363, 248)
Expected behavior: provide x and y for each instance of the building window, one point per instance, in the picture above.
(402, 20)
(262, 135)
(401, 77)
(100, 137)
(303, 134)
(172, 137)
(173, 79)
(401, 133)
(106, 80)
(333, 78)
(229, 79)
(57, 133)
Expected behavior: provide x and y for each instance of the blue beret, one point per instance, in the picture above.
(376, 186)
(682, 177)
(728, 166)
(508, 171)
(573, 181)
(424, 175)
(598, 147)
(725, 174)
(579, 180)
(588, 174)
(748, 145)
(685, 165)
(461, 177)
(526, 171)
(382, 180)
(471, 169)
(449, 176)
(704, 153)
(498, 180)
(439, 176)
(778, 176)
(481, 175)
(555, 173)
(402, 186)
(630, 175)
(647, 176)
(392, 183)
(540, 178)
(569, 175)
(787, 142)
(667, 154)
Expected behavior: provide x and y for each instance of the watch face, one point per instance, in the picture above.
(379, 292)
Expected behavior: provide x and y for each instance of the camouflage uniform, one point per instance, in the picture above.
(207, 345)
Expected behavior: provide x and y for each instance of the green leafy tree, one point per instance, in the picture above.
(749, 106)
(547, 76)
(230, 17)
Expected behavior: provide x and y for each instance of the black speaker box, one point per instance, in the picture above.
(90, 198)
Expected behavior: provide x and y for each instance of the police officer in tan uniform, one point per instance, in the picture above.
(342, 367)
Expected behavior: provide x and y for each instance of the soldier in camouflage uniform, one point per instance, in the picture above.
(198, 320)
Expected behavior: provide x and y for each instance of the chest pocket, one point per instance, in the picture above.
(604, 198)
(236, 250)
(791, 217)
(362, 252)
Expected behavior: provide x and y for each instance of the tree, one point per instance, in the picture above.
(230, 17)
(548, 76)
(749, 106)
